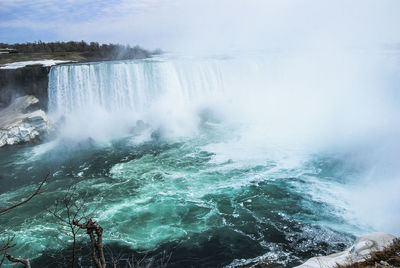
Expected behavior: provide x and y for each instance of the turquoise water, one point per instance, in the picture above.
(183, 196)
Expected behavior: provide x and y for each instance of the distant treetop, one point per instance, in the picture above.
(89, 50)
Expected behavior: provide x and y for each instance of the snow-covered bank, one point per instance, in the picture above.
(361, 249)
(21, 64)
(19, 126)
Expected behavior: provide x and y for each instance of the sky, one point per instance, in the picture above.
(203, 24)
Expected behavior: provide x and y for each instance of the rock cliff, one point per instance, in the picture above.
(29, 80)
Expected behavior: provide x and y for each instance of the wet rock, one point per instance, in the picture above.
(28, 80)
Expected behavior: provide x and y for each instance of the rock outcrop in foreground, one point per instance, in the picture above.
(18, 125)
(361, 250)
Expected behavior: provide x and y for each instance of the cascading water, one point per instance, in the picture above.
(130, 85)
(234, 157)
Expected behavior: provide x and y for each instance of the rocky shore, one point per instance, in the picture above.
(370, 250)
(20, 122)
(360, 251)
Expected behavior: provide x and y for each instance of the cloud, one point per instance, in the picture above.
(209, 24)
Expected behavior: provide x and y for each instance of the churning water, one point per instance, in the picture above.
(216, 160)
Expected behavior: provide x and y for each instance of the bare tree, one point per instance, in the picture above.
(118, 259)
(66, 210)
(129, 260)
(95, 232)
(132, 262)
(164, 260)
(114, 259)
(144, 262)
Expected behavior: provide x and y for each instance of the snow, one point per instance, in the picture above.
(362, 248)
(20, 64)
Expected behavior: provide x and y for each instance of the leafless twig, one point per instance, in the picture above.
(2, 211)
(25, 262)
(7, 244)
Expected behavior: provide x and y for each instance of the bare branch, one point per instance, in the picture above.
(7, 245)
(28, 199)
(20, 260)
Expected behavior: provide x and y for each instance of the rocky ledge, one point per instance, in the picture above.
(20, 123)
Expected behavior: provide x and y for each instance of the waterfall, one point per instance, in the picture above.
(282, 98)
(132, 85)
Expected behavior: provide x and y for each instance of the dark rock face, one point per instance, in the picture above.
(29, 80)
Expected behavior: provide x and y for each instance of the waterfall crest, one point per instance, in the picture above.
(132, 85)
